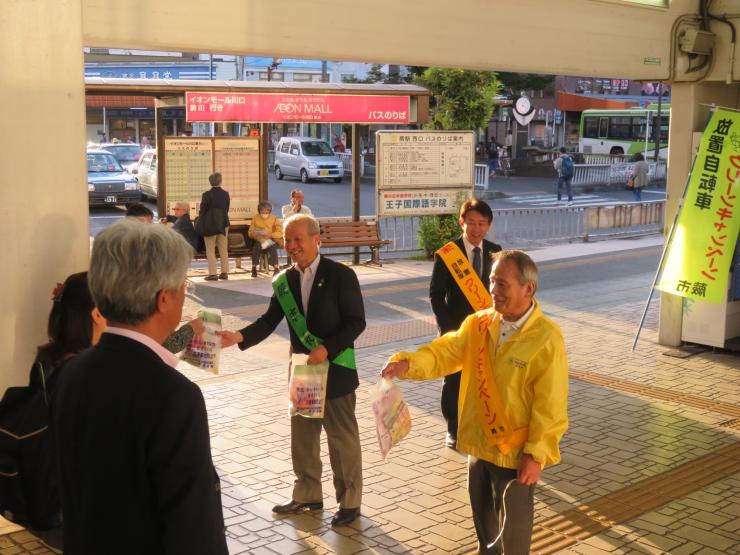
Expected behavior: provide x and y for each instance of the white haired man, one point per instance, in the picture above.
(512, 410)
(322, 297)
(134, 447)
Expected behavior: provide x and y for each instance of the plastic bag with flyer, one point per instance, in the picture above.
(204, 352)
(392, 417)
(307, 388)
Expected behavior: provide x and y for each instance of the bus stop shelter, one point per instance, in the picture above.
(263, 103)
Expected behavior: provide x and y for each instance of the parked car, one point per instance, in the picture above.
(307, 158)
(107, 183)
(127, 154)
(146, 173)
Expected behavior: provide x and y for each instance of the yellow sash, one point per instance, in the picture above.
(493, 419)
(465, 277)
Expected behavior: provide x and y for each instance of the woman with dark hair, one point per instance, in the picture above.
(74, 325)
(29, 484)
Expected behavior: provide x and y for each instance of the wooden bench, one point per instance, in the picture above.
(239, 243)
(353, 234)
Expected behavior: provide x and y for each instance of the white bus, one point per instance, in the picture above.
(624, 131)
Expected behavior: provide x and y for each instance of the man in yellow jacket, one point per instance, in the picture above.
(512, 409)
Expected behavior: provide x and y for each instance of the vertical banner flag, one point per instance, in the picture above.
(700, 253)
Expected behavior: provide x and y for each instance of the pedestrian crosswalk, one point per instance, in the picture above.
(550, 200)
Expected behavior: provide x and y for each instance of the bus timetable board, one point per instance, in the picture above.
(189, 162)
(424, 172)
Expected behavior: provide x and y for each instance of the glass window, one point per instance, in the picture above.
(294, 150)
(102, 162)
(620, 127)
(276, 76)
(591, 127)
(316, 148)
(302, 76)
(603, 127)
(285, 147)
(638, 128)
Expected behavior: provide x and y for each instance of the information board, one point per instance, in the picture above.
(189, 162)
(424, 172)
(238, 162)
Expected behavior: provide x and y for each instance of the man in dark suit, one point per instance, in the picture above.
(132, 432)
(328, 295)
(449, 303)
(214, 211)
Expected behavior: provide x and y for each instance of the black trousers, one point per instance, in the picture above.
(450, 394)
(486, 485)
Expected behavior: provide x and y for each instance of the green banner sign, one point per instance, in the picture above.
(699, 256)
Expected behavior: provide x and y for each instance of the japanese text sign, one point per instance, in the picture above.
(700, 253)
(295, 107)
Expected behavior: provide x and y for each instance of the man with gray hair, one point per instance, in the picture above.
(132, 432)
(513, 405)
(322, 301)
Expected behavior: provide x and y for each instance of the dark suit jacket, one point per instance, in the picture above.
(135, 456)
(214, 209)
(449, 304)
(336, 314)
(184, 227)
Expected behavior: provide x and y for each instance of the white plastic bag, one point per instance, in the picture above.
(307, 387)
(204, 352)
(392, 417)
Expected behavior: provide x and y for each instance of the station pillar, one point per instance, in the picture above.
(44, 213)
(690, 107)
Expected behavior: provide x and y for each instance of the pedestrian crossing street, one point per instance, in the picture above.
(550, 200)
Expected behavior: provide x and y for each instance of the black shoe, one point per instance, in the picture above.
(450, 441)
(212, 277)
(293, 507)
(276, 271)
(254, 272)
(223, 275)
(345, 516)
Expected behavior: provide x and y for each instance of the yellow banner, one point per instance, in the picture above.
(700, 253)
(465, 277)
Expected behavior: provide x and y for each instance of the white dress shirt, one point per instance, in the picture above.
(307, 277)
(508, 329)
(288, 211)
(469, 251)
(167, 357)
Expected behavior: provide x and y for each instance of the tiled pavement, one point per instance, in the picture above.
(634, 417)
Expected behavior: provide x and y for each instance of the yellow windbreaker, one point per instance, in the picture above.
(271, 225)
(531, 374)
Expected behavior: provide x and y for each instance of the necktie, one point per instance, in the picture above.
(477, 261)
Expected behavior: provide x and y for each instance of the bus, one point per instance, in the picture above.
(625, 131)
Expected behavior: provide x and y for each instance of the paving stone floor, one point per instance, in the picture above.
(416, 500)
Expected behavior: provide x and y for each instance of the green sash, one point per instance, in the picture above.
(298, 321)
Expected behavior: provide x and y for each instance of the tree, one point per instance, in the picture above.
(513, 83)
(461, 98)
(375, 74)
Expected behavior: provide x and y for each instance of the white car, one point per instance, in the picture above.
(307, 158)
(146, 173)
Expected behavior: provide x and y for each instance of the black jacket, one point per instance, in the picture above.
(214, 211)
(184, 227)
(449, 304)
(135, 456)
(336, 314)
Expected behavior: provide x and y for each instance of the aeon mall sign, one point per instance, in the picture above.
(291, 107)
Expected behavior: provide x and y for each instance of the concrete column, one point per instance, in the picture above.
(690, 105)
(43, 213)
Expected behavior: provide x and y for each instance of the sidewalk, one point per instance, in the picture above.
(651, 462)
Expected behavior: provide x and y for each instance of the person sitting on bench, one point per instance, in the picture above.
(267, 233)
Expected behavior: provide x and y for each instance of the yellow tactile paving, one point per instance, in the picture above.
(655, 392)
(592, 518)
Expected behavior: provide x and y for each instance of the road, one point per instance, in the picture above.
(328, 199)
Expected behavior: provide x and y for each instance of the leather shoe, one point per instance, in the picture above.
(293, 507)
(212, 277)
(450, 441)
(223, 275)
(345, 516)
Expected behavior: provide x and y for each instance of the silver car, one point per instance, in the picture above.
(146, 173)
(307, 158)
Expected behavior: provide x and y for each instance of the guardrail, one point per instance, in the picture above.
(481, 176)
(521, 227)
(618, 173)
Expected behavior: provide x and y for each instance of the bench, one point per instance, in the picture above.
(239, 243)
(353, 234)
